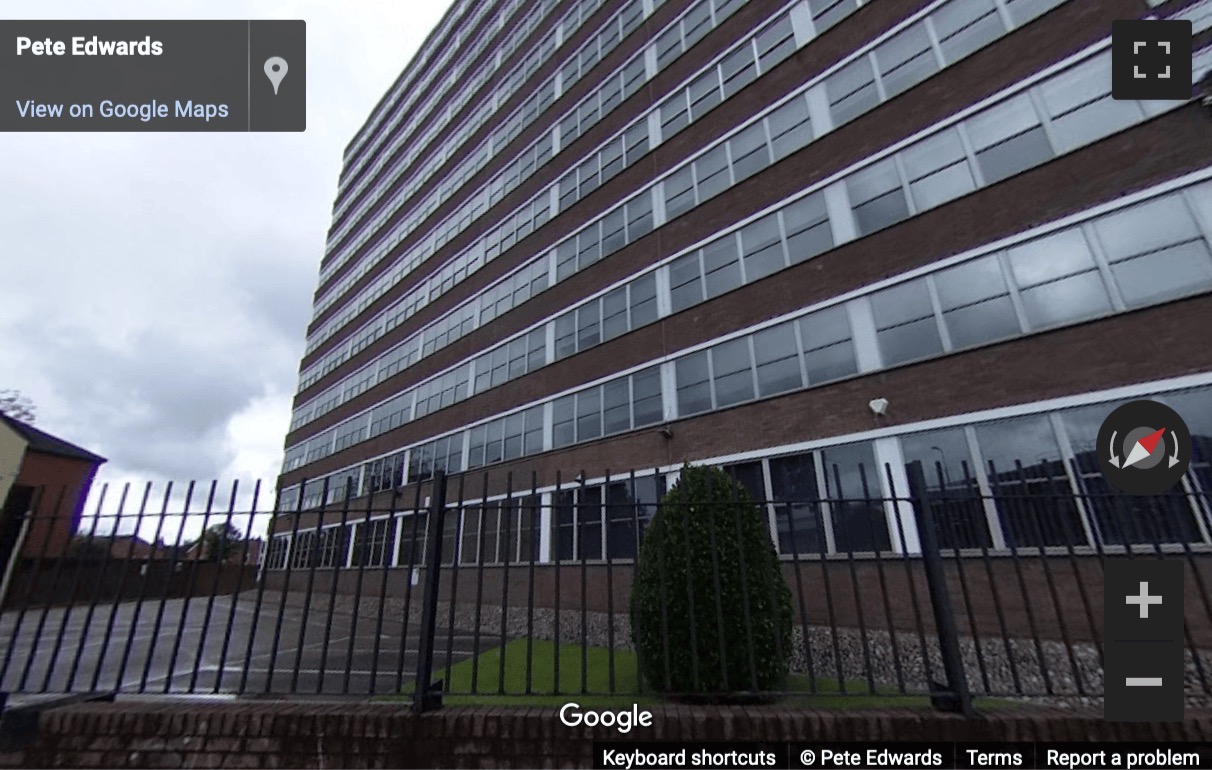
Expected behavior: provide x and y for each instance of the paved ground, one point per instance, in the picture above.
(195, 646)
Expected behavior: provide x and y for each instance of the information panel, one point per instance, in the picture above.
(153, 76)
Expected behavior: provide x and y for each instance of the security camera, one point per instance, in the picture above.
(878, 406)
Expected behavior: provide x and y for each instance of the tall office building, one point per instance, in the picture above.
(811, 241)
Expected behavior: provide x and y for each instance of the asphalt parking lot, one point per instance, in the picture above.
(202, 647)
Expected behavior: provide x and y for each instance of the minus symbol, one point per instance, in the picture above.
(1143, 681)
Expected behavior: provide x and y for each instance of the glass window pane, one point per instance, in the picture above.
(1001, 121)
(881, 212)
(1161, 275)
(904, 302)
(563, 412)
(762, 247)
(1051, 257)
(775, 43)
(1069, 299)
(965, 27)
(942, 186)
(1196, 408)
(704, 93)
(906, 60)
(514, 429)
(824, 328)
(646, 392)
(798, 515)
(565, 335)
(1027, 478)
(877, 197)
(679, 192)
(622, 521)
(1146, 227)
(589, 518)
(614, 313)
(616, 406)
(639, 216)
(970, 282)
(749, 476)
(738, 69)
(733, 372)
(1017, 154)
(589, 414)
(929, 155)
(674, 115)
(851, 90)
(910, 341)
(1023, 11)
(992, 319)
(852, 479)
(613, 235)
(831, 363)
(790, 128)
(749, 151)
(686, 286)
(826, 13)
(951, 487)
(711, 170)
(588, 326)
(828, 350)
(693, 384)
(777, 360)
(643, 300)
(722, 269)
(1077, 86)
(808, 230)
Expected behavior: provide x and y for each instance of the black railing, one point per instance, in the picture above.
(915, 588)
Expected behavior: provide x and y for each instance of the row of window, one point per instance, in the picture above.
(803, 228)
(438, 99)
(879, 74)
(473, 159)
(1149, 252)
(1026, 481)
(496, 533)
(468, 87)
(787, 128)
(505, 181)
(616, 88)
(418, 74)
(619, 26)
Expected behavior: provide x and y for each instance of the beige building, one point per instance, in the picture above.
(45, 473)
(12, 452)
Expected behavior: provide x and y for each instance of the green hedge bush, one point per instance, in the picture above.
(687, 641)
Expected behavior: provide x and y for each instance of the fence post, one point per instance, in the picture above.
(956, 696)
(429, 696)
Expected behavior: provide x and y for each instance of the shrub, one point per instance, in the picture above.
(709, 537)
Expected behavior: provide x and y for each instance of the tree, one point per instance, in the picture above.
(17, 405)
(710, 609)
(219, 543)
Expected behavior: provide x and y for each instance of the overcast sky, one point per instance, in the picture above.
(156, 288)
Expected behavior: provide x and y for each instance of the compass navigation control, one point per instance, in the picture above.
(1144, 448)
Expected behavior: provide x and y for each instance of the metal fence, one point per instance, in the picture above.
(474, 589)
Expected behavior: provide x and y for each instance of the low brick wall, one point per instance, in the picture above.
(328, 734)
(71, 581)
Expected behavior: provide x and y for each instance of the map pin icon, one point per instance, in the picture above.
(275, 70)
